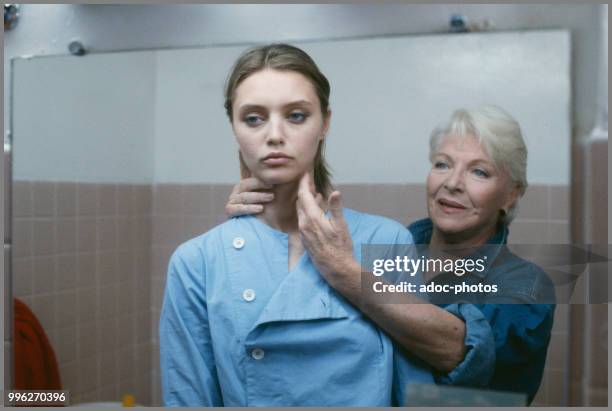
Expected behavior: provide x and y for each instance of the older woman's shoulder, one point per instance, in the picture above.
(521, 279)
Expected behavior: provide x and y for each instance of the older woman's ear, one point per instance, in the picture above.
(513, 198)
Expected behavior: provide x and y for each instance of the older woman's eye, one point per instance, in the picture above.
(297, 117)
(480, 173)
(440, 165)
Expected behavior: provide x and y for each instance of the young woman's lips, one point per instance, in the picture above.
(450, 206)
(276, 159)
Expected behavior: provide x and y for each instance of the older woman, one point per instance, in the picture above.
(478, 173)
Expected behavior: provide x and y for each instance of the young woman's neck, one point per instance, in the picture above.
(281, 213)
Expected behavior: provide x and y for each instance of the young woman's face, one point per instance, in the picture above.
(278, 124)
(465, 191)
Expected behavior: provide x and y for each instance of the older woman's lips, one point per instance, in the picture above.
(276, 159)
(450, 206)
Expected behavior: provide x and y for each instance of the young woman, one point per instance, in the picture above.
(248, 319)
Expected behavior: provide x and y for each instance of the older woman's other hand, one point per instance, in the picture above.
(244, 198)
(327, 240)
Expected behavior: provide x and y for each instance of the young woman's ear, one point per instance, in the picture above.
(326, 123)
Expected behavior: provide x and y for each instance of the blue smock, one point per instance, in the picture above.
(507, 335)
(238, 329)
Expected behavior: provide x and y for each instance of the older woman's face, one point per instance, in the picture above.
(465, 191)
(278, 124)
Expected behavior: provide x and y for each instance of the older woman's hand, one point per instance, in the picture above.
(244, 198)
(327, 240)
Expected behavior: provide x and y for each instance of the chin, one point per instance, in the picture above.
(449, 228)
(450, 225)
(278, 176)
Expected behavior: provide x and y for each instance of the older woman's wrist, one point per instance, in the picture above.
(345, 278)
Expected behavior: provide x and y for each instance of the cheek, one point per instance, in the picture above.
(487, 198)
(307, 143)
(433, 183)
(247, 148)
(312, 151)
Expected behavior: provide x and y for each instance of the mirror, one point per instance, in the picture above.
(120, 157)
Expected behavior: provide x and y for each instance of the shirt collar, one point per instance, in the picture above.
(421, 231)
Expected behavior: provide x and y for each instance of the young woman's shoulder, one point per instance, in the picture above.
(227, 234)
(371, 228)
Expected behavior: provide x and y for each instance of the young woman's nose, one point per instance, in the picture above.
(276, 134)
(454, 180)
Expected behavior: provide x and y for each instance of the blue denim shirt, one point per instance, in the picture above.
(507, 335)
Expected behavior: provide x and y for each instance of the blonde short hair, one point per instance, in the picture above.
(501, 137)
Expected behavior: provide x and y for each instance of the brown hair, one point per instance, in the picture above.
(285, 57)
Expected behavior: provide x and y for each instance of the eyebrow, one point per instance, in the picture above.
(475, 161)
(297, 103)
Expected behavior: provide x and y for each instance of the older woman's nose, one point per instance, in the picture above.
(454, 180)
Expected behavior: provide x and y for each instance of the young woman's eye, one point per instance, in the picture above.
(297, 117)
(253, 119)
(480, 173)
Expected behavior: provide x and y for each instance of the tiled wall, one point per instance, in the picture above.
(91, 260)
(81, 262)
(598, 316)
(589, 322)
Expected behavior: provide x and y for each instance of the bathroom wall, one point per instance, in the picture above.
(590, 207)
(84, 121)
(180, 211)
(47, 30)
(588, 383)
(81, 262)
(82, 201)
(404, 101)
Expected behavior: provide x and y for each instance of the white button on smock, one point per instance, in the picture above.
(257, 353)
(248, 294)
(238, 243)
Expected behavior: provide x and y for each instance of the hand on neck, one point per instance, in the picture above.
(281, 213)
